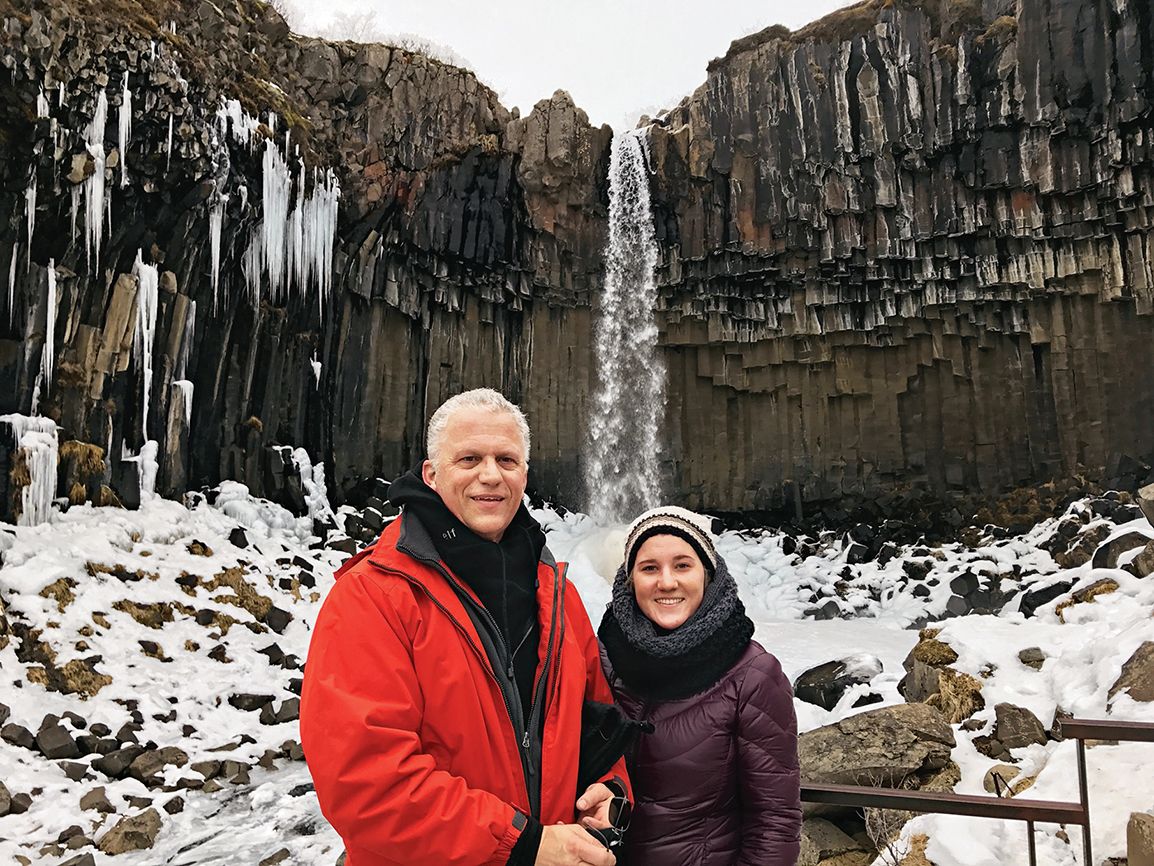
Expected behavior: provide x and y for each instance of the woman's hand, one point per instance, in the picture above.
(594, 805)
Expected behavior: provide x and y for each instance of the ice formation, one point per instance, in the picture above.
(186, 389)
(37, 438)
(94, 185)
(215, 221)
(30, 208)
(48, 351)
(125, 129)
(147, 292)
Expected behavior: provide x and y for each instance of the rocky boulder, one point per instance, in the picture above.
(903, 744)
(1137, 677)
(825, 684)
(132, 833)
(930, 679)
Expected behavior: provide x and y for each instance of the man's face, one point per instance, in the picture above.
(481, 470)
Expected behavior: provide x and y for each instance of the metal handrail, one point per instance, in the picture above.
(949, 803)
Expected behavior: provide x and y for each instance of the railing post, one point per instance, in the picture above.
(1030, 838)
(1084, 797)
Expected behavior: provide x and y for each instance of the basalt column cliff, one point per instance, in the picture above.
(911, 243)
(908, 245)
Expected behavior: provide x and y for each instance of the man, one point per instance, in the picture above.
(441, 712)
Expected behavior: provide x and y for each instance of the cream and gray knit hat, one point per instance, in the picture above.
(696, 529)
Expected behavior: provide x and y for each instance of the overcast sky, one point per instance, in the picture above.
(616, 59)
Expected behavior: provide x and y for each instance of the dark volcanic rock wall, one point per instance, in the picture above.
(911, 244)
(467, 252)
(908, 245)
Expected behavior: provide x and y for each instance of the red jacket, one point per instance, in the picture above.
(405, 730)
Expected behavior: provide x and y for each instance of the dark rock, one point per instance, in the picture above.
(174, 806)
(147, 767)
(85, 859)
(1032, 657)
(249, 702)
(20, 803)
(830, 610)
(957, 606)
(96, 800)
(4, 714)
(1016, 727)
(301, 790)
(965, 584)
(18, 735)
(132, 833)
(274, 654)
(1035, 599)
(74, 771)
(219, 654)
(1137, 677)
(277, 619)
(116, 764)
(54, 742)
(1106, 556)
(824, 685)
(238, 538)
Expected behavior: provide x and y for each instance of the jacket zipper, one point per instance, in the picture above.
(525, 740)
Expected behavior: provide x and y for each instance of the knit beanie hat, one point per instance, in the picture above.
(695, 529)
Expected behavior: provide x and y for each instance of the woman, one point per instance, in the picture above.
(717, 782)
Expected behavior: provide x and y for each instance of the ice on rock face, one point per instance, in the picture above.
(125, 129)
(186, 390)
(37, 438)
(12, 283)
(30, 206)
(94, 185)
(42, 107)
(168, 147)
(215, 222)
(48, 351)
(147, 292)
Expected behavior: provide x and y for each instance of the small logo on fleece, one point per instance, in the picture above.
(449, 534)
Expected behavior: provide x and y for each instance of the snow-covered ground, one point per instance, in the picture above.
(69, 579)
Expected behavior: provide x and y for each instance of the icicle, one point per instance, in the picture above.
(38, 439)
(75, 208)
(48, 356)
(125, 129)
(172, 27)
(250, 265)
(277, 187)
(94, 185)
(186, 389)
(152, 49)
(30, 208)
(215, 220)
(320, 231)
(42, 107)
(168, 147)
(60, 95)
(12, 284)
(186, 338)
(244, 126)
(316, 365)
(148, 285)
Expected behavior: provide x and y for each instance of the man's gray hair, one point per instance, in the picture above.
(478, 398)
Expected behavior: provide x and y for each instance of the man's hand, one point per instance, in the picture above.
(594, 805)
(571, 845)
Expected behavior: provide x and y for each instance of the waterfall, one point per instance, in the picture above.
(37, 438)
(622, 476)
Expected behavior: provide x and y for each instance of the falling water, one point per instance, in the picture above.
(622, 476)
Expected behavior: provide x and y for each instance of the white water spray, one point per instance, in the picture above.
(622, 477)
(37, 438)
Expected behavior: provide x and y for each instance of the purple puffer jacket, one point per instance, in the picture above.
(717, 783)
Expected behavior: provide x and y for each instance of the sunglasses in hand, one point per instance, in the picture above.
(620, 811)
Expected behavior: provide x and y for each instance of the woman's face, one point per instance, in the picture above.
(668, 580)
